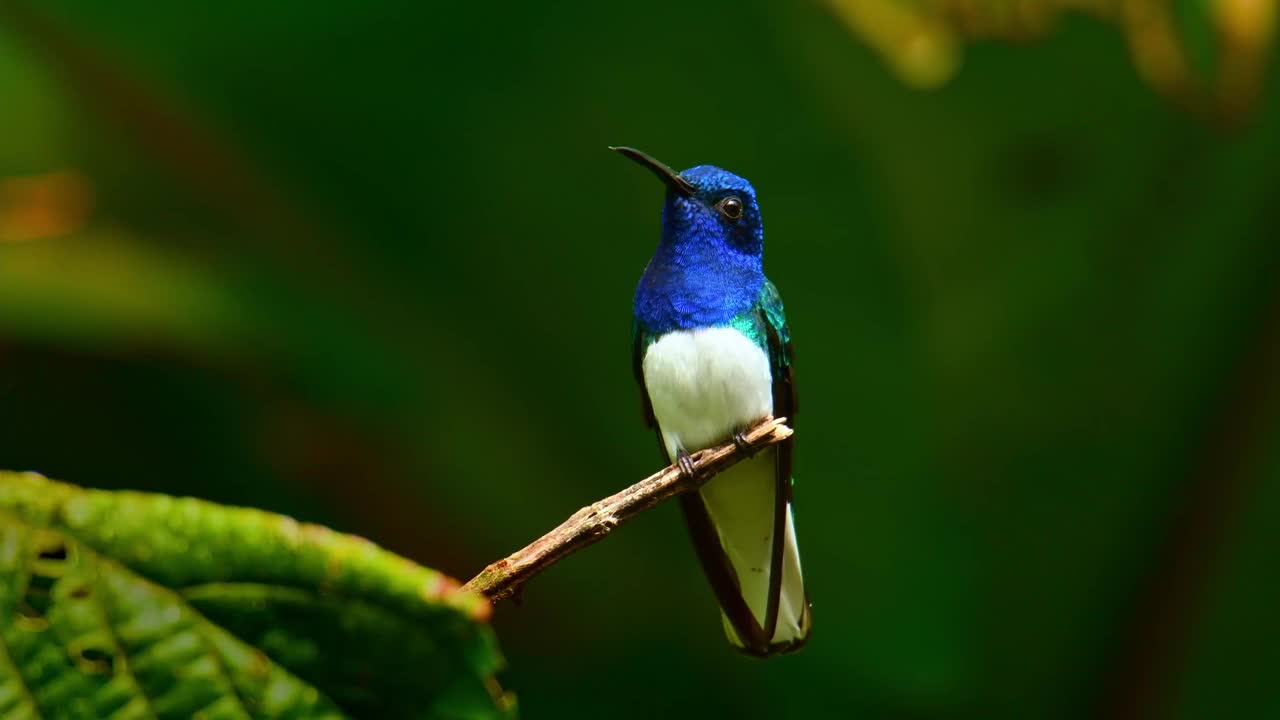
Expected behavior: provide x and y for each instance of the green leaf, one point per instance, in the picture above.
(130, 605)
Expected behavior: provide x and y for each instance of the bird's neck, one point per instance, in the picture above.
(695, 284)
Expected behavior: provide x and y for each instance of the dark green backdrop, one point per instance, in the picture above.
(371, 265)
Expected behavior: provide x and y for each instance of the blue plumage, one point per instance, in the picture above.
(707, 268)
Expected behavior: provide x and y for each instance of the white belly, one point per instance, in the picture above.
(705, 385)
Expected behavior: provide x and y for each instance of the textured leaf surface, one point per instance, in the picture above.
(128, 605)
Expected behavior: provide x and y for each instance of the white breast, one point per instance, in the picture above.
(705, 385)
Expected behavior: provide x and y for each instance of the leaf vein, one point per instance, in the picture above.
(7, 660)
(104, 598)
(6, 655)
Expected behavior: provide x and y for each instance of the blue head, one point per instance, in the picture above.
(709, 265)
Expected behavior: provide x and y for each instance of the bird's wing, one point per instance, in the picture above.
(785, 404)
(640, 342)
(778, 341)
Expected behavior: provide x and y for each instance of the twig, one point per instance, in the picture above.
(592, 523)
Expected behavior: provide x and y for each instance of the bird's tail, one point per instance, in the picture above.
(745, 537)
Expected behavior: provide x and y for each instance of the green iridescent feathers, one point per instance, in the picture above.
(767, 316)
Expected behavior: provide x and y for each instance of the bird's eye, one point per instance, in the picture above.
(730, 207)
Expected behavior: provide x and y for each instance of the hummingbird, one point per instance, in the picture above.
(712, 356)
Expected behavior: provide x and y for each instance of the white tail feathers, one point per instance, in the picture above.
(741, 505)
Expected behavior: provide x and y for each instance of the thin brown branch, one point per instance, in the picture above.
(592, 523)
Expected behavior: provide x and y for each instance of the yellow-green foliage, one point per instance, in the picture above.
(131, 605)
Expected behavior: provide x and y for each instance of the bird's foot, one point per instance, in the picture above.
(744, 446)
(685, 461)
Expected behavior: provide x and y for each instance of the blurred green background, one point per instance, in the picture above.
(370, 264)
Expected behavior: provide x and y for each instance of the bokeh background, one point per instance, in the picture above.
(370, 264)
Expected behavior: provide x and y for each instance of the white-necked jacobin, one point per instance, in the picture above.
(712, 354)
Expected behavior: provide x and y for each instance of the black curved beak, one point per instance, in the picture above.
(673, 180)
